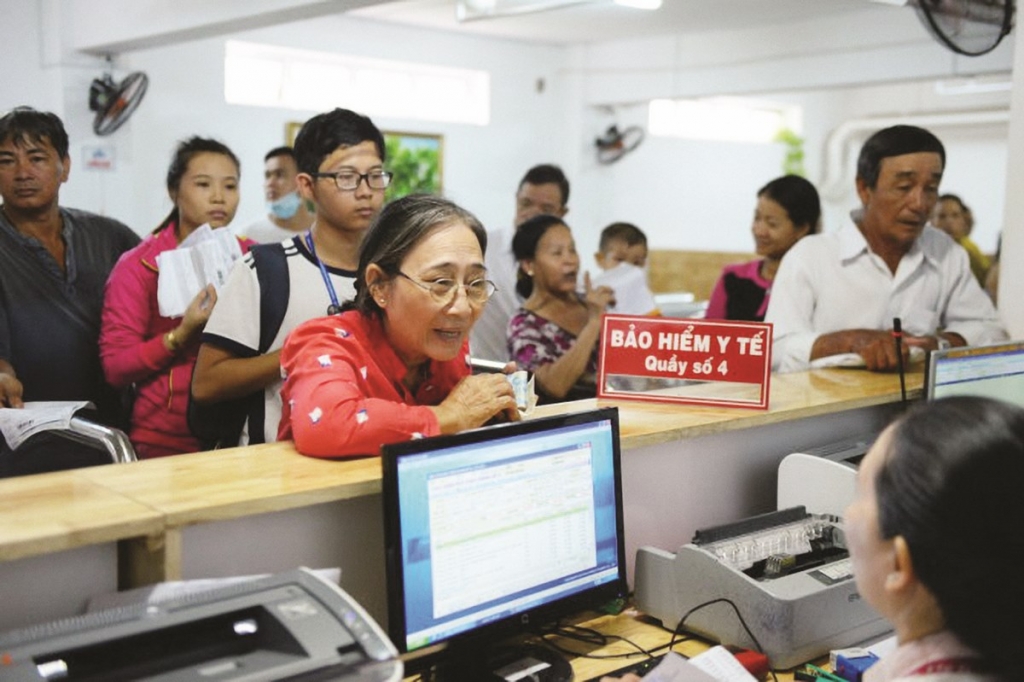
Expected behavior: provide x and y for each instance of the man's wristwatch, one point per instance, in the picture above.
(942, 343)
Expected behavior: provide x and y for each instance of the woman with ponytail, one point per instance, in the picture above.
(138, 346)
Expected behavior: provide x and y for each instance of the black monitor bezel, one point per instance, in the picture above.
(524, 620)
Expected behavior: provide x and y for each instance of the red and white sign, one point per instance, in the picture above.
(688, 361)
(99, 157)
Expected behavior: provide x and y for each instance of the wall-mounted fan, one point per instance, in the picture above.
(968, 27)
(615, 143)
(115, 102)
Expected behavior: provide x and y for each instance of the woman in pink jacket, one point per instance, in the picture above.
(140, 347)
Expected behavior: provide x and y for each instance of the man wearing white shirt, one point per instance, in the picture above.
(544, 190)
(839, 292)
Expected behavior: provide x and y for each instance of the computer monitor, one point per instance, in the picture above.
(994, 371)
(501, 529)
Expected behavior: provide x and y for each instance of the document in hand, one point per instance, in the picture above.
(18, 425)
(205, 257)
(632, 296)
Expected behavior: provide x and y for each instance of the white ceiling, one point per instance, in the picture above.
(602, 20)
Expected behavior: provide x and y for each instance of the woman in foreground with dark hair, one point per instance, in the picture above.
(935, 537)
(936, 541)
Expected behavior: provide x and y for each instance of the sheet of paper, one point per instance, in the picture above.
(855, 361)
(632, 295)
(883, 647)
(154, 594)
(204, 257)
(18, 425)
(722, 665)
(675, 668)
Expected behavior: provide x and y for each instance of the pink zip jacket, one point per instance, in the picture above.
(132, 351)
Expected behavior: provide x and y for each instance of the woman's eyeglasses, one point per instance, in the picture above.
(444, 290)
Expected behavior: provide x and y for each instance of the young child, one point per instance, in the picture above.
(622, 256)
(340, 158)
(621, 243)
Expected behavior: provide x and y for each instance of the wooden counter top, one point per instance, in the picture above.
(50, 512)
(225, 484)
(54, 512)
(793, 396)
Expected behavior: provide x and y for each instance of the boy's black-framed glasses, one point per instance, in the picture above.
(349, 180)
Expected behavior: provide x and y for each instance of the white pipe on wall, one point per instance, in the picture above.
(839, 161)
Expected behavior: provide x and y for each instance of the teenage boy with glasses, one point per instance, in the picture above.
(340, 158)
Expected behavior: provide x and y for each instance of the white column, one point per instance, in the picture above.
(1011, 269)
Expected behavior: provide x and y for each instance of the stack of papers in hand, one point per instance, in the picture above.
(18, 424)
(205, 257)
(632, 296)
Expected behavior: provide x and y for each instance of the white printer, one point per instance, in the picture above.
(786, 572)
(293, 626)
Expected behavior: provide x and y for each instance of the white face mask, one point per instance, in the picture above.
(285, 207)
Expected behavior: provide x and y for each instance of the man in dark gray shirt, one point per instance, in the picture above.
(54, 263)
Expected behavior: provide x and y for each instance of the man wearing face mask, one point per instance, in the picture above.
(287, 213)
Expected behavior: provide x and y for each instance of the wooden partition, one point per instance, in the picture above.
(65, 536)
(692, 271)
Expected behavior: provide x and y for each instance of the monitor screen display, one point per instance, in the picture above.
(512, 524)
(993, 371)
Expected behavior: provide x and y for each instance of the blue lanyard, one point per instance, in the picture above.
(334, 308)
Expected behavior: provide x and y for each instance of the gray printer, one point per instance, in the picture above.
(787, 572)
(292, 626)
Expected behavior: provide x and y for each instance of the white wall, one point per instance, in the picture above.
(700, 195)
(880, 64)
(685, 194)
(481, 164)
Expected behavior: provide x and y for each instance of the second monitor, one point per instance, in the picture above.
(992, 371)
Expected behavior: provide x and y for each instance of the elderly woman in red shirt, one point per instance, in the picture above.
(393, 365)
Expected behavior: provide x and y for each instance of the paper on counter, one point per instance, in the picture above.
(675, 668)
(855, 361)
(632, 295)
(174, 589)
(19, 424)
(722, 665)
(714, 664)
(204, 257)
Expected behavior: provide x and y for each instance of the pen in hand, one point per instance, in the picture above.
(486, 365)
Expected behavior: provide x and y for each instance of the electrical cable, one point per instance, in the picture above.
(590, 636)
(721, 600)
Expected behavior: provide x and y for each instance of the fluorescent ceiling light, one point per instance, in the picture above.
(640, 4)
(971, 86)
(470, 10)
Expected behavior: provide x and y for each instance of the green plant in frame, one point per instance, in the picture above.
(793, 162)
(415, 162)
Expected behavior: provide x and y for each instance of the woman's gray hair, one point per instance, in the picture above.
(399, 227)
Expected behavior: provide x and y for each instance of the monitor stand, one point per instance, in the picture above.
(526, 662)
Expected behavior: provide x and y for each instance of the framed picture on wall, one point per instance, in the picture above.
(291, 129)
(417, 161)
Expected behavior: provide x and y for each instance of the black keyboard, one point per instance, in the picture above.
(640, 668)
